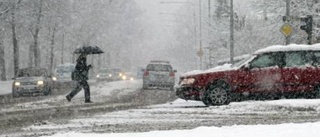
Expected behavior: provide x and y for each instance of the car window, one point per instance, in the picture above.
(295, 59)
(32, 73)
(263, 61)
(159, 67)
(316, 58)
(104, 71)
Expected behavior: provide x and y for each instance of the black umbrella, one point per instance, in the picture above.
(88, 50)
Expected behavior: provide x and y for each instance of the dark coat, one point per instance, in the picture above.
(81, 70)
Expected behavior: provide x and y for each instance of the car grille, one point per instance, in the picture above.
(28, 83)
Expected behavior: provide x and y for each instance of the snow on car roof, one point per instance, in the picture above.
(162, 62)
(291, 47)
(275, 48)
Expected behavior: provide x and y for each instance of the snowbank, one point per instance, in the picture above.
(181, 110)
(281, 130)
(5, 87)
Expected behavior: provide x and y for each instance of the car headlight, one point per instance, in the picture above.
(98, 76)
(188, 81)
(40, 82)
(110, 75)
(17, 83)
(120, 74)
(54, 78)
(124, 77)
(131, 79)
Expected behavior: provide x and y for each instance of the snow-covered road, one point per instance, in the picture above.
(182, 115)
(237, 118)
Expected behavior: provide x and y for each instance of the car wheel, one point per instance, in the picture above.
(206, 102)
(144, 87)
(48, 91)
(316, 92)
(172, 87)
(217, 94)
(15, 95)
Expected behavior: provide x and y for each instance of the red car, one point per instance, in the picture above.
(276, 71)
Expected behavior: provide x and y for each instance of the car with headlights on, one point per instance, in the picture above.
(32, 81)
(104, 74)
(128, 76)
(109, 74)
(274, 72)
(62, 76)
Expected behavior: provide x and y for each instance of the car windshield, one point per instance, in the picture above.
(116, 70)
(104, 71)
(240, 63)
(31, 73)
(159, 67)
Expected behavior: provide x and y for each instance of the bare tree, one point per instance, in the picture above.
(35, 28)
(4, 9)
(2, 60)
(12, 21)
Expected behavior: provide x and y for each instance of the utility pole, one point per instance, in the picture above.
(288, 16)
(231, 33)
(265, 17)
(200, 29)
(209, 9)
(62, 50)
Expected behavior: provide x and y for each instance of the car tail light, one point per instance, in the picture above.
(171, 74)
(146, 73)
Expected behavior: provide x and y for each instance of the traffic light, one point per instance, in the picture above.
(307, 27)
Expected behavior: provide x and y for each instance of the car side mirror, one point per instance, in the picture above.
(245, 68)
(13, 78)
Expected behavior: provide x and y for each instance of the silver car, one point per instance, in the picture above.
(31, 81)
(159, 74)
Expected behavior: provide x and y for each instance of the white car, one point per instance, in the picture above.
(62, 75)
(159, 74)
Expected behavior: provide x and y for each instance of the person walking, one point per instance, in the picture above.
(80, 75)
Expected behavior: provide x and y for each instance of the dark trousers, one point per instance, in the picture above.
(81, 84)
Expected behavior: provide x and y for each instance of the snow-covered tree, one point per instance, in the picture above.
(257, 25)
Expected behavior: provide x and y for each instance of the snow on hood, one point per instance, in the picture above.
(223, 67)
(194, 72)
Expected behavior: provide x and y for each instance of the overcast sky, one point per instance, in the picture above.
(158, 29)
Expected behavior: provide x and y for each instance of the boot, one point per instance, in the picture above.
(68, 97)
(88, 101)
